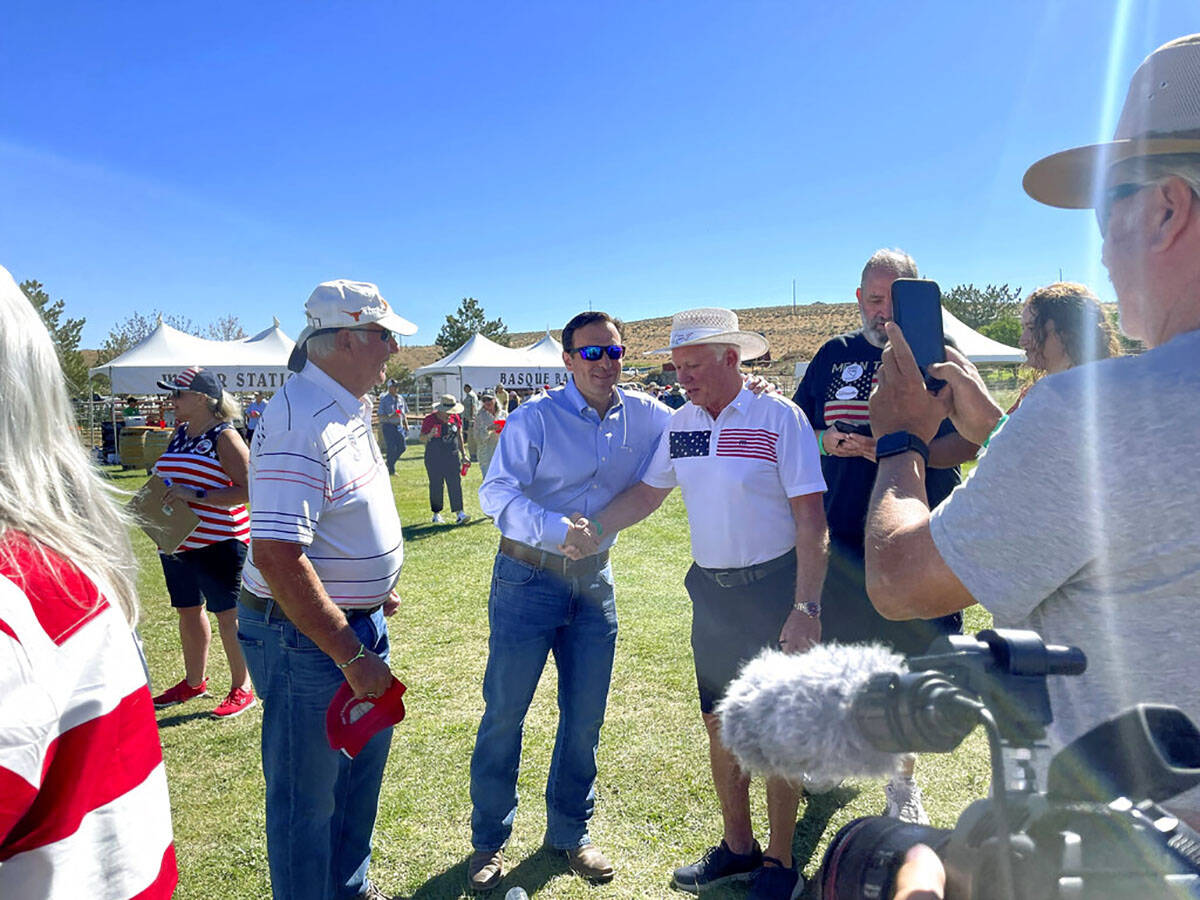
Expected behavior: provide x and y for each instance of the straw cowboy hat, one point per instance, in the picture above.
(712, 325)
(1161, 115)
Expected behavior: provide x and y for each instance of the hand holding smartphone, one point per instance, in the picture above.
(917, 309)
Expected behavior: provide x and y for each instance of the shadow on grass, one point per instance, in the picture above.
(184, 718)
(428, 529)
(818, 810)
(533, 873)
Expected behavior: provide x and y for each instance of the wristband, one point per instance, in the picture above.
(362, 651)
(599, 528)
(821, 441)
(999, 423)
(201, 493)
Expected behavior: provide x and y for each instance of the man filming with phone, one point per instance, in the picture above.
(1068, 526)
(834, 394)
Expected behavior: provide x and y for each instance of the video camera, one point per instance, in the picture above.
(1095, 832)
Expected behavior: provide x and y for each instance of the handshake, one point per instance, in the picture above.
(583, 538)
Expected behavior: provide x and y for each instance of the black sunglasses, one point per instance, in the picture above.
(594, 351)
(1112, 196)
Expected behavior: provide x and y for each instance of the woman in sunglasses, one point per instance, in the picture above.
(206, 466)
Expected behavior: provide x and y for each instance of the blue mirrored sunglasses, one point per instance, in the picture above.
(594, 351)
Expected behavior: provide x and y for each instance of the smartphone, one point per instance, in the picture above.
(917, 309)
(847, 428)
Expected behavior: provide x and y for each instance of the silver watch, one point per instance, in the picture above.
(811, 608)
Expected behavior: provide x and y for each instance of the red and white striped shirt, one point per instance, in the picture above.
(83, 791)
(192, 462)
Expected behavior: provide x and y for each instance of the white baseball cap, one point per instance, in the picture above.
(345, 304)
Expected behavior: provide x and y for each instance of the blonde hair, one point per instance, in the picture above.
(49, 488)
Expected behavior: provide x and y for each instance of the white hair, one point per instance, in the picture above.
(719, 350)
(1163, 166)
(49, 488)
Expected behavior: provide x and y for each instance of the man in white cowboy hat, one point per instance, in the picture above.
(750, 475)
(1081, 521)
(834, 394)
(570, 450)
(325, 553)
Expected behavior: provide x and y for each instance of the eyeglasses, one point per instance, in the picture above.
(385, 335)
(594, 351)
(1110, 197)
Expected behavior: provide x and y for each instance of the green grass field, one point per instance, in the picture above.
(655, 807)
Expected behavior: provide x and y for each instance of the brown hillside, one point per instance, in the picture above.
(793, 336)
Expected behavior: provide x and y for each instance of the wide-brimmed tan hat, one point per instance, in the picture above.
(448, 404)
(712, 325)
(1161, 115)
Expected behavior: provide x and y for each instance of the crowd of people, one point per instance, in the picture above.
(860, 529)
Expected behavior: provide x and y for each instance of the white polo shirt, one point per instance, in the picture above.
(317, 479)
(737, 474)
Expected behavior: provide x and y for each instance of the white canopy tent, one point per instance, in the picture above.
(257, 363)
(976, 347)
(482, 363)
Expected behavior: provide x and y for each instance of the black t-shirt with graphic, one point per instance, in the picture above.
(837, 386)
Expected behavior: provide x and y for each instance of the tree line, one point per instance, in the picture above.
(992, 310)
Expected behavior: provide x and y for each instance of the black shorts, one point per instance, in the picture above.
(732, 625)
(848, 617)
(212, 574)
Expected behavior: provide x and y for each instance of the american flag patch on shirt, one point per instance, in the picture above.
(754, 443)
(849, 391)
(689, 443)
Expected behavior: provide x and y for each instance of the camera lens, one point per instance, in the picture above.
(864, 856)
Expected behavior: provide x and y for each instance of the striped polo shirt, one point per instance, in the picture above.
(83, 791)
(317, 479)
(193, 463)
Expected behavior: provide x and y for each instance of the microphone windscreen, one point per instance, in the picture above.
(790, 715)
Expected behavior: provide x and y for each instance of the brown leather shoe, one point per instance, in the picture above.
(485, 868)
(588, 862)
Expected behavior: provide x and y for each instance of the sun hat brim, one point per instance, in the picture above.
(751, 344)
(1073, 179)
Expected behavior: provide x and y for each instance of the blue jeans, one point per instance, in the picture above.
(533, 613)
(393, 437)
(320, 804)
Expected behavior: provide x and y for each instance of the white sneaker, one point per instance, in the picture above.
(462, 517)
(904, 802)
(438, 520)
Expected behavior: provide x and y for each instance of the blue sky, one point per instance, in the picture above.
(639, 157)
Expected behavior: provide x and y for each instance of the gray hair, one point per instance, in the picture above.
(49, 488)
(1156, 168)
(895, 262)
(323, 343)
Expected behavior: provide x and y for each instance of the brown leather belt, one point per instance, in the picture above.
(273, 610)
(553, 562)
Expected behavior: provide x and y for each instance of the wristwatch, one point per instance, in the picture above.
(811, 608)
(900, 442)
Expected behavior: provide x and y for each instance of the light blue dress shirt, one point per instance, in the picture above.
(558, 456)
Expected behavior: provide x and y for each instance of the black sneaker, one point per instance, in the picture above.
(775, 882)
(719, 865)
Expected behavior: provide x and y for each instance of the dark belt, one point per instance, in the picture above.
(553, 562)
(272, 610)
(731, 578)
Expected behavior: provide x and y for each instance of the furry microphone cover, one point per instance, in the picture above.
(790, 715)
